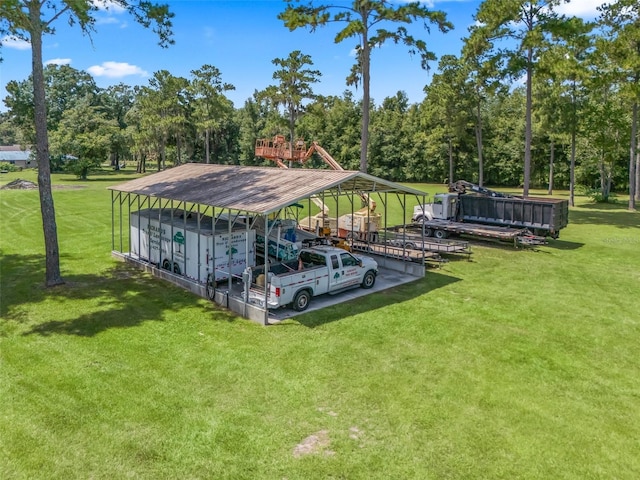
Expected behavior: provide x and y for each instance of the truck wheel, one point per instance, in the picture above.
(419, 219)
(428, 232)
(301, 300)
(410, 245)
(368, 280)
(440, 234)
(166, 264)
(176, 269)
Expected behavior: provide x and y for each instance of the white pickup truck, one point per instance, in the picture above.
(318, 270)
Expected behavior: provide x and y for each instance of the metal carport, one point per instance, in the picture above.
(234, 192)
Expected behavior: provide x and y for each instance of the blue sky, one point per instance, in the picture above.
(241, 38)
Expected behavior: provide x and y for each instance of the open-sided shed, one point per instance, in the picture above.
(229, 192)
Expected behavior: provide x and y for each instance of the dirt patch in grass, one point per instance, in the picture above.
(20, 184)
(315, 443)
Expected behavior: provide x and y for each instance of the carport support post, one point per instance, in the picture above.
(246, 262)
(120, 221)
(140, 230)
(404, 234)
(113, 230)
(198, 246)
(230, 280)
(266, 269)
(212, 254)
(424, 254)
(386, 203)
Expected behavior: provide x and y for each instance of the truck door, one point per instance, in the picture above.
(348, 272)
(334, 273)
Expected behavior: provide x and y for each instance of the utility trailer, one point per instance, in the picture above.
(490, 214)
(398, 253)
(444, 228)
(411, 237)
(189, 246)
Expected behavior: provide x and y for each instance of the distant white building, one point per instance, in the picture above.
(15, 155)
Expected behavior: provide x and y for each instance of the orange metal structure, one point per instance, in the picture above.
(281, 151)
(364, 221)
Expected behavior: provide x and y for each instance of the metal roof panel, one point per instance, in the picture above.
(253, 189)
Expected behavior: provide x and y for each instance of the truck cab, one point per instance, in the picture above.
(443, 207)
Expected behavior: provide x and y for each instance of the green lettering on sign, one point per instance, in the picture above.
(179, 238)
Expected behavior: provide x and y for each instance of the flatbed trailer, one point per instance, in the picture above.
(410, 236)
(398, 253)
(444, 228)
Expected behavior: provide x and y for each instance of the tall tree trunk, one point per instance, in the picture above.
(366, 100)
(179, 148)
(603, 176)
(572, 168)
(574, 127)
(632, 157)
(451, 174)
(528, 134)
(207, 146)
(50, 229)
(637, 173)
(552, 155)
(292, 125)
(162, 161)
(480, 146)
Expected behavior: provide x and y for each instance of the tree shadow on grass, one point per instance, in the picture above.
(564, 244)
(123, 297)
(605, 214)
(432, 281)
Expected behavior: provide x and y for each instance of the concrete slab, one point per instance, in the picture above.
(385, 279)
(391, 273)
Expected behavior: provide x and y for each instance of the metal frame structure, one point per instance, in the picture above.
(241, 196)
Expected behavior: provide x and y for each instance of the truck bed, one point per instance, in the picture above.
(537, 214)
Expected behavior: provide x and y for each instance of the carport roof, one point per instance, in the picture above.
(253, 189)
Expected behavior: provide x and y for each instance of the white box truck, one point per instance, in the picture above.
(189, 247)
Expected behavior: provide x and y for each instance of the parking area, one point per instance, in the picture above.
(387, 278)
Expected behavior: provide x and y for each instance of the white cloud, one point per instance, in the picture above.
(580, 8)
(116, 70)
(110, 10)
(432, 3)
(16, 43)
(108, 5)
(58, 61)
(107, 20)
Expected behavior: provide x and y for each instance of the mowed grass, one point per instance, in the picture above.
(518, 364)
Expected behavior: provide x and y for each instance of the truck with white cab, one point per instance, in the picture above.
(470, 209)
(318, 270)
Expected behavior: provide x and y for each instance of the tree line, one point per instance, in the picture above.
(174, 120)
(534, 98)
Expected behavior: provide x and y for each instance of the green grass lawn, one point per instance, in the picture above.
(518, 364)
